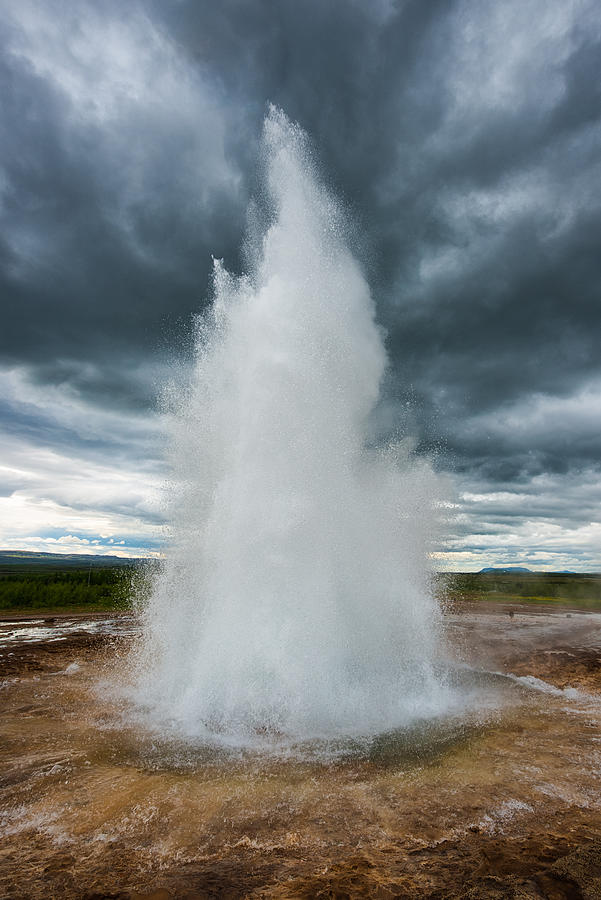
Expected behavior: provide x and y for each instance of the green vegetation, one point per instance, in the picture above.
(44, 582)
(550, 588)
(91, 589)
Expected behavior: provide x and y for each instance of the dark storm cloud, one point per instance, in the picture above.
(464, 137)
(107, 213)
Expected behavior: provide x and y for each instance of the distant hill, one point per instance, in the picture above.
(505, 569)
(21, 558)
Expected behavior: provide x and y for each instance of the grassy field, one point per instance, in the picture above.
(542, 588)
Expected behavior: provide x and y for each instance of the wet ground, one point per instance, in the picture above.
(502, 803)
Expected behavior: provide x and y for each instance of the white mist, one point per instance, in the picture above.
(295, 597)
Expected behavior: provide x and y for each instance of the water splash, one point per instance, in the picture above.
(295, 597)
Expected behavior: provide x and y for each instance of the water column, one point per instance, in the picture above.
(294, 598)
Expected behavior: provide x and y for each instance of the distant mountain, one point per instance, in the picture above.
(504, 569)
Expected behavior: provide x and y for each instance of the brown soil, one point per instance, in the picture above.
(509, 808)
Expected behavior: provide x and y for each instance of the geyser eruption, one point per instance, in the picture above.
(294, 598)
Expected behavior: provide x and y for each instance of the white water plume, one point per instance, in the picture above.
(295, 596)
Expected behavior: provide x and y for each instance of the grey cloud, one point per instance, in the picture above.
(106, 220)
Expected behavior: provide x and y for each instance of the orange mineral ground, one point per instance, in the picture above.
(501, 802)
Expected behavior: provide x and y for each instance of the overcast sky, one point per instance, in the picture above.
(464, 138)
